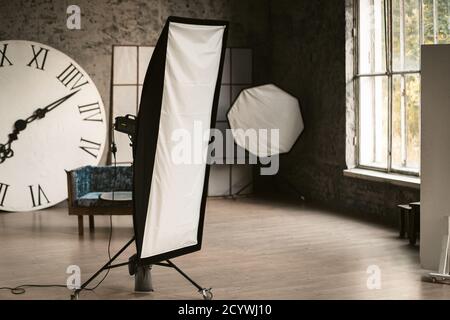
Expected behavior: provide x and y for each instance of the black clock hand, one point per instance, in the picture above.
(20, 125)
(41, 112)
(6, 151)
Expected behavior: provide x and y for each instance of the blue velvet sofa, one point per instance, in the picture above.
(86, 184)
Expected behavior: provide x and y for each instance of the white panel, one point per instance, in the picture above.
(435, 153)
(224, 103)
(219, 181)
(125, 65)
(124, 102)
(145, 54)
(241, 66)
(176, 189)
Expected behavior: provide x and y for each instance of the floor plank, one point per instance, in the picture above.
(253, 249)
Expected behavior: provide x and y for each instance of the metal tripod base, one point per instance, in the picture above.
(75, 295)
(143, 279)
(443, 274)
(207, 294)
(439, 278)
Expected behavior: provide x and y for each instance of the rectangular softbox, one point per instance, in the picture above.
(180, 91)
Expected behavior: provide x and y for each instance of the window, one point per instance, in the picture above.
(389, 35)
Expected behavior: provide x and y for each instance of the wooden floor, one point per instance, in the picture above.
(253, 249)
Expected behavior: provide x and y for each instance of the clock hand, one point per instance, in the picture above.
(6, 151)
(41, 112)
(20, 125)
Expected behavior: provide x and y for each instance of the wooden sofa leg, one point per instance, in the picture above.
(91, 224)
(80, 225)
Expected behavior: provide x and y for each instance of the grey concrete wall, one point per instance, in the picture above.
(119, 22)
(435, 153)
(309, 60)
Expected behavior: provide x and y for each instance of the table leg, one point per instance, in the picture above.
(80, 225)
(91, 224)
(402, 224)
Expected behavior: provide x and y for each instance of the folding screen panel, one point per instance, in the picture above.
(129, 67)
(130, 63)
(229, 178)
(181, 90)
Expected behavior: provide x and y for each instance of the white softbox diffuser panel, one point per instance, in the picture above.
(170, 214)
(266, 107)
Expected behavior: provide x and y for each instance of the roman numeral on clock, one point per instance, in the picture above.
(3, 191)
(90, 147)
(37, 199)
(72, 78)
(3, 58)
(39, 58)
(91, 112)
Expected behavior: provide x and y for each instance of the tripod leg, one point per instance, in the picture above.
(243, 189)
(76, 293)
(206, 293)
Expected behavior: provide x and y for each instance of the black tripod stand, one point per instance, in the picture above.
(142, 273)
(206, 293)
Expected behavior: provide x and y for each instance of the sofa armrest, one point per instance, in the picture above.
(70, 189)
(78, 183)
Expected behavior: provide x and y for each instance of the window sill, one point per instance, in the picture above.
(392, 178)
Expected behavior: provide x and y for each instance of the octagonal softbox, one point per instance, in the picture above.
(266, 107)
(181, 88)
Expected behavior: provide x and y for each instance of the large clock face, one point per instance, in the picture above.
(52, 119)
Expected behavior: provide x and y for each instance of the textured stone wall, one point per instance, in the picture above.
(298, 44)
(309, 60)
(119, 22)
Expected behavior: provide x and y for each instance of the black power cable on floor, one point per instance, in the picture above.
(21, 289)
(109, 256)
(114, 152)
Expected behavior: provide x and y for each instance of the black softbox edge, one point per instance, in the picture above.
(142, 172)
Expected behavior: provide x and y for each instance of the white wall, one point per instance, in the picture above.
(435, 171)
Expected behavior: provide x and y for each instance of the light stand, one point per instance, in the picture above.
(206, 293)
(107, 266)
(247, 185)
(142, 273)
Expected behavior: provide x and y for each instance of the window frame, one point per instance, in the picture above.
(389, 74)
